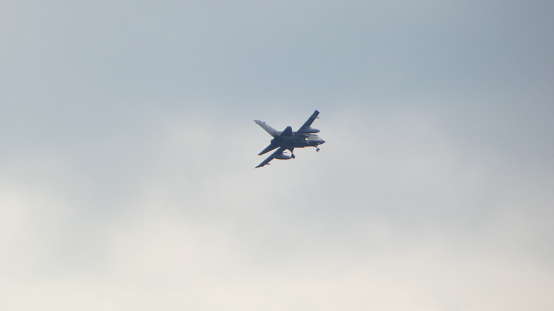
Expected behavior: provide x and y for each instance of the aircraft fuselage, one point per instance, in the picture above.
(297, 141)
(289, 140)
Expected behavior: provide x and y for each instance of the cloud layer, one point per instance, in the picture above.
(128, 147)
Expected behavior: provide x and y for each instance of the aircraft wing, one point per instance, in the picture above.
(309, 122)
(271, 157)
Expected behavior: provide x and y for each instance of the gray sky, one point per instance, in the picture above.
(127, 178)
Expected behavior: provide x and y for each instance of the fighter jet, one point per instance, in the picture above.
(288, 140)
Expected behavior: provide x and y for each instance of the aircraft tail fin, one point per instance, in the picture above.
(273, 132)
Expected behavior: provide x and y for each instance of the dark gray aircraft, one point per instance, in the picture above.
(288, 140)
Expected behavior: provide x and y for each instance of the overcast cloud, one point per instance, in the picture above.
(128, 149)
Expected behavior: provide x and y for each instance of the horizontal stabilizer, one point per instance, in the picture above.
(273, 132)
(269, 148)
